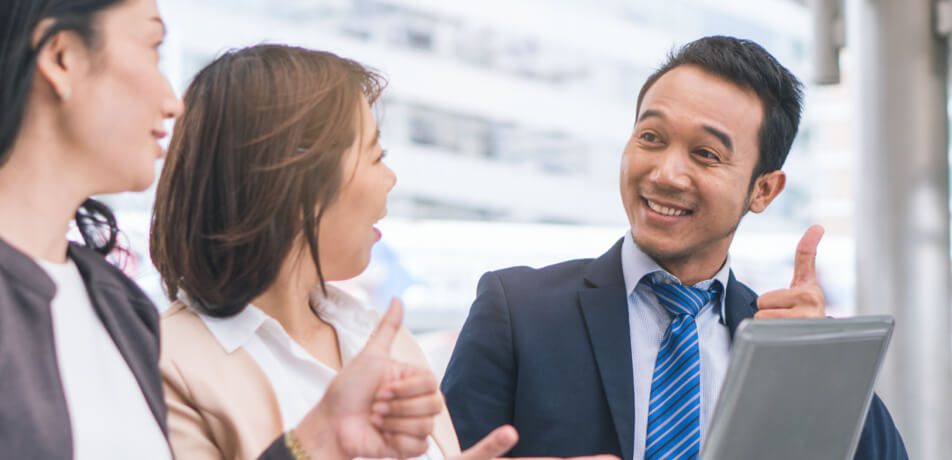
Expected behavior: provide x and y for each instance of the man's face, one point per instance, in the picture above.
(686, 170)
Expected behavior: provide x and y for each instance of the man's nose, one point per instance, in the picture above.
(671, 170)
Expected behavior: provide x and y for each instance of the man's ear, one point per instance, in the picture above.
(766, 188)
(60, 59)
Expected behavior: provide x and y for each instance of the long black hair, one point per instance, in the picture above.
(96, 222)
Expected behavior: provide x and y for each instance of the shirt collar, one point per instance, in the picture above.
(635, 264)
(235, 331)
(340, 309)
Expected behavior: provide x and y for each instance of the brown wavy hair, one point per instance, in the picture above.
(253, 163)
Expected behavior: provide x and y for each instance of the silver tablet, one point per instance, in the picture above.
(797, 389)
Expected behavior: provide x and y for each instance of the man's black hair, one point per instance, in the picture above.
(747, 65)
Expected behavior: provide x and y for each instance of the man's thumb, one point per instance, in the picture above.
(804, 263)
(496, 443)
(382, 338)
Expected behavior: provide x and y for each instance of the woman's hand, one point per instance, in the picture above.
(375, 407)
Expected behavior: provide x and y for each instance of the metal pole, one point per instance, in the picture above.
(828, 40)
(900, 72)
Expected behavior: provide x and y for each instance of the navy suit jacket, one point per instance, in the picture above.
(548, 351)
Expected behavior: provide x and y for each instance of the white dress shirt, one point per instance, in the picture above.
(648, 320)
(298, 379)
(108, 415)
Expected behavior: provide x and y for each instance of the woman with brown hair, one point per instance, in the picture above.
(273, 183)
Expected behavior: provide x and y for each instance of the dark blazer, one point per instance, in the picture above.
(548, 351)
(34, 419)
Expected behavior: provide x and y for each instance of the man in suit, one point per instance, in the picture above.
(625, 354)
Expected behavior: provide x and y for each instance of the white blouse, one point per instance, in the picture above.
(102, 395)
(298, 379)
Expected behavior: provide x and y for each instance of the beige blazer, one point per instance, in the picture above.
(222, 406)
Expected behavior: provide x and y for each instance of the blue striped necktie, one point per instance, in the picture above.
(674, 413)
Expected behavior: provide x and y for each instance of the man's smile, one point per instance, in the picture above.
(666, 209)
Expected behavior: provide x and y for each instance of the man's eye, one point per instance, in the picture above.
(707, 154)
(649, 137)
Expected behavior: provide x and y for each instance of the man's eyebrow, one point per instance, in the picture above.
(720, 135)
(651, 113)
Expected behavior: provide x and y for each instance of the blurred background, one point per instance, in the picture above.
(505, 120)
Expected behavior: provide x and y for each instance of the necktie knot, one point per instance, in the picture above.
(680, 300)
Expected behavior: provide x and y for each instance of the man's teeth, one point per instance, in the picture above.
(665, 210)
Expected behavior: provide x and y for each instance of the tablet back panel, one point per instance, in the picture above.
(797, 389)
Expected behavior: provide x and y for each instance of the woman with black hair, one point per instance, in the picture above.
(83, 105)
(83, 109)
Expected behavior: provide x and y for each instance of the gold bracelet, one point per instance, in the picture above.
(291, 442)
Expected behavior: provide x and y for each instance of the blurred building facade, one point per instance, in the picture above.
(496, 110)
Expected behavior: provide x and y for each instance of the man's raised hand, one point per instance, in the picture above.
(803, 299)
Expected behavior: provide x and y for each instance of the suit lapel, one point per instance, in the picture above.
(740, 303)
(604, 306)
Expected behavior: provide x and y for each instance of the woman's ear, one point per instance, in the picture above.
(766, 188)
(60, 60)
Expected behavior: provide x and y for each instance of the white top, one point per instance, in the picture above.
(109, 416)
(648, 319)
(298, 379)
